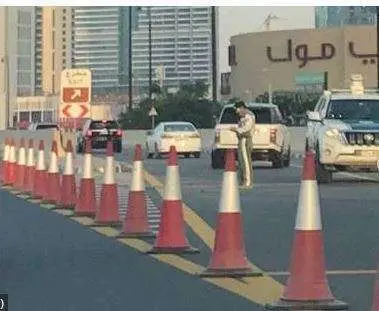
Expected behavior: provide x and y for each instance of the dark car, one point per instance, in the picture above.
(99, 132)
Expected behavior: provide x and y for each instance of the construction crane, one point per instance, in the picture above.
(267, 22)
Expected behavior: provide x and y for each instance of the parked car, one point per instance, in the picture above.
(271, 139)
(183, 135)
(42, 126)
(99, 131)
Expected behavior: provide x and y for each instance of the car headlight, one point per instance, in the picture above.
(333, 133)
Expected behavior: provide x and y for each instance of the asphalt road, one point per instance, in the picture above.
(49, 262)
(349, 209)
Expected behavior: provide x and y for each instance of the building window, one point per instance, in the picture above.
(232, 55)
(64, 11)
(63, 54)
(64, 18)
(64, 39)
(64, 46)
(63, 32)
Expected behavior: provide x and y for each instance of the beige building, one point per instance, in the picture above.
(56, 46)
(297, 59)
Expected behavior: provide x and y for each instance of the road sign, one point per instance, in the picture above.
(76, 87)
(153, 112)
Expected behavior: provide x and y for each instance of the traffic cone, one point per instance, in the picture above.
(4, 165)
(40, 174)
(30, 169)
(136, 222)
(107, 212)
(229, 254)
(375, 297)
(53, 177)
(11, 167)
(171, 236)
(86, 203)
(307, 286)
(21, 165)
(68, 194)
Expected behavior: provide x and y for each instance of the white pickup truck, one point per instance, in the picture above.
(271, 139)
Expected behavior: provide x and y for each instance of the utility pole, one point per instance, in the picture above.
(214, 54)
(150, 59)
(130, 75)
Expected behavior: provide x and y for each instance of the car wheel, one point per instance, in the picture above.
(197, 155)
(323, 176)
(187, 155)
(287, 160)
(278, 162)
(157, 154)
(216, 160)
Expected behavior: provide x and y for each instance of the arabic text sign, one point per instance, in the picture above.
(327, 51)
(75, 93)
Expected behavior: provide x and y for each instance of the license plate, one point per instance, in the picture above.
(101, 138)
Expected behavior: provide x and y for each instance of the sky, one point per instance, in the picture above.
(236, 20)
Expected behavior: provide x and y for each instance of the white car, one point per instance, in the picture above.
(271, 139)
(343, 130)
(183, 135)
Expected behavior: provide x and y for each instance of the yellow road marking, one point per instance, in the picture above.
(107, 231)
(272, 288)
(85, 221)
(260, 291)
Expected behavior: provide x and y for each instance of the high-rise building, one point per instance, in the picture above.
(17, 68)
(101, 44)
(338, 16)
(56, 46)
(181, 46)
(38, 50)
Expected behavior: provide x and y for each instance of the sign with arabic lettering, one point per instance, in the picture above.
(327, 51)
(76, 85)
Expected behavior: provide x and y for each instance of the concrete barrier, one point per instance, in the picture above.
(132, 137)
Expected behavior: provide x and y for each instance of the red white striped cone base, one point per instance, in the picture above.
(107, 213)
(136, 222)
(40, 184)
(68, 193)
(28, 180)
(171, 238)
(86, 203)
(229, 256)
(53, 188)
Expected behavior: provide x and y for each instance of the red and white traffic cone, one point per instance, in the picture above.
(4, 165)
(86, 203)
(171, 236)
(53, 177)
(229, 257)
(307, 286)
(68, 194)
(11, 167)
(40, 174)
(136, 222)
(29, 171)
(21, 165)
(107, 212)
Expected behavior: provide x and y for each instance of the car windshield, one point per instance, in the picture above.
(99, 125)
(262, 115)
(179, 128)
(46, 126)
(354, 109)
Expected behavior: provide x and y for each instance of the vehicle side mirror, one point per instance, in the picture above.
(314, 116)
(149, 132)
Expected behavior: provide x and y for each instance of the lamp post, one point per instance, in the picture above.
(150, 58)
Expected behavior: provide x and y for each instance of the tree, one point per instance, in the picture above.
(189, 103)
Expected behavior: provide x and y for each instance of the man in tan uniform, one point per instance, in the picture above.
(244, 133)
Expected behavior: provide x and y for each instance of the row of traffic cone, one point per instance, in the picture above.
(307, 286)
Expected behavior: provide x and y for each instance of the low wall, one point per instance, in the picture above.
(130, 138)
